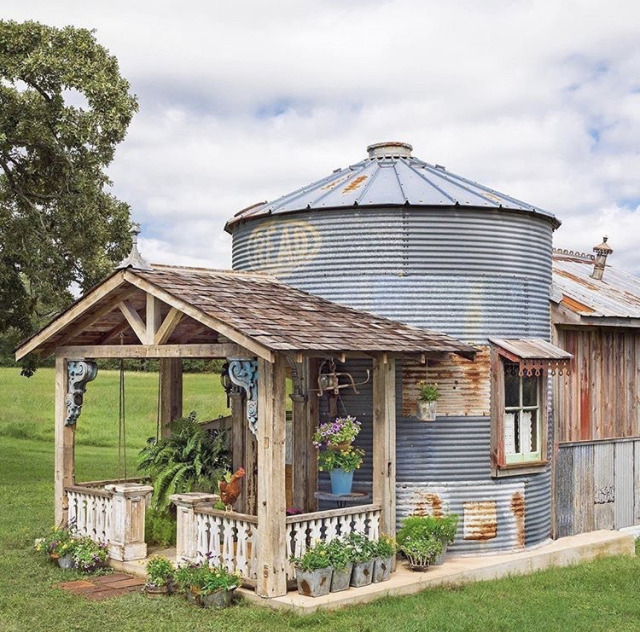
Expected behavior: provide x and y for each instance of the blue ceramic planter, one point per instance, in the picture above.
(341, 481)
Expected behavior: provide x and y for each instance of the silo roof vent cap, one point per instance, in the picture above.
(390, 148)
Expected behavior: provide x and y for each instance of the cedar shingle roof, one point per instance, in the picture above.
(283, 318)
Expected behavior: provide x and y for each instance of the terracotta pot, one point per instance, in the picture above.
(314, 583)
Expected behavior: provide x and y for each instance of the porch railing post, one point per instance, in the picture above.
(127, 521)
(187, 532)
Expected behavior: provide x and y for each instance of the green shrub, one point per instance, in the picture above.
(202, 579)
(339, 554)
(159, 571)
(385, 547)
(160, 528)
(419, 527)
(361, 549)
(427, 392)
(422, 551)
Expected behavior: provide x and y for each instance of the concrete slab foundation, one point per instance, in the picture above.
(455, 571)
(463, 570)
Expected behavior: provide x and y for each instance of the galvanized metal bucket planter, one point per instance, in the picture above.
(382, 569)
(362, 574)
(66, 561)
(426, 411)
(341, 579)
(314, 583)
(219, 599)
(439, 561)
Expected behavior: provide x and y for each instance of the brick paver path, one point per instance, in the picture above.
(104, 586)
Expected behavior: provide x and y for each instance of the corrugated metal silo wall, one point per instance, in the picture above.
(470, 273)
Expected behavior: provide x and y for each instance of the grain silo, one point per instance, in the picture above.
(411, 241)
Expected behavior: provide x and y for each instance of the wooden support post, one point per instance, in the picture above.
(313, 416)
(238, 456)
(272, 552)
(170, 393)
(384, 441)
(300, 450)
(64, 445)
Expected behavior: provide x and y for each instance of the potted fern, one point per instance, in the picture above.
(427, 401)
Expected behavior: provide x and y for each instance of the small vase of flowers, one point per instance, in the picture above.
(336, 454)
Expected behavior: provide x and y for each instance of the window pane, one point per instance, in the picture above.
(535, 439)
(511, 386)
(530, 390)
(510, 433)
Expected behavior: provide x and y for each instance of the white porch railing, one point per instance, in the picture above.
(227, 539)
(304, 530)
(230, 539)
(111, 512)
(90, 512)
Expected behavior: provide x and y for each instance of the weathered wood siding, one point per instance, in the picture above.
(600, 398)
(597, 486)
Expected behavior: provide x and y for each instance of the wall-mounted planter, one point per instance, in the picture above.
(426, 411)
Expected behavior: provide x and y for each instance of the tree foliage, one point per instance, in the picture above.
(63, 109)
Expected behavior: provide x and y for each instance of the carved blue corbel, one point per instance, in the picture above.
(80, 373)
(244, 373)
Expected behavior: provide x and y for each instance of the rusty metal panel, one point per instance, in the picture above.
(480, 520)
(623, 484)
(492, 515)
(464, 386)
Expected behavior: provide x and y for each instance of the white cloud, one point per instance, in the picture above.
(245, 101)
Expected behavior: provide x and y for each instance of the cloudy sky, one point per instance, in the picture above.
(242, 102)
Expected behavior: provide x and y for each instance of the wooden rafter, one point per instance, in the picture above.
(168, 326)
(197, 314)
(134, 320)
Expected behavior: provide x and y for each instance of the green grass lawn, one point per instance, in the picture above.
(599, 596)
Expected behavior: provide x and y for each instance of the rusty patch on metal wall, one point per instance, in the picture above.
(518, 509)
(428, 504)
(480, 520)
(354, 184)
(464, 386)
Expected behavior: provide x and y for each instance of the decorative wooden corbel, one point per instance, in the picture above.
(244, 373)
(80, 373)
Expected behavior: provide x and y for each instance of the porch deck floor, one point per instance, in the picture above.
(457, 570)
(462, 570)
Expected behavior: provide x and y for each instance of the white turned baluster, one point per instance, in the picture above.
(316, 531)
(241, 551)
(202, 536)
(331, 532)
(374, 527)
(227, 545)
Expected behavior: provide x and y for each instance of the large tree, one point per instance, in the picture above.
(63, 109)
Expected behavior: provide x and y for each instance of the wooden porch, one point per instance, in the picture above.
(268, 331)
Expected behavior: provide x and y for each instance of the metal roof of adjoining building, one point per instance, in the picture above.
(617, 295)
(390, 176)
(532, 349)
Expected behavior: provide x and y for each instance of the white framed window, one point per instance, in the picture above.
(522, 422)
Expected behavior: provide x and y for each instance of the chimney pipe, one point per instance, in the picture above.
(602, 252)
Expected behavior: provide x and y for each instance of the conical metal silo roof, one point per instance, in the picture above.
(390, 176)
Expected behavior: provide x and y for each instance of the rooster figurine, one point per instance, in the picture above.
(231, 487)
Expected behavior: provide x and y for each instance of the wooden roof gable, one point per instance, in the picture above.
(250, 309)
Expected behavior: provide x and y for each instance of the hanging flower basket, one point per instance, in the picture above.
(426, 411)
